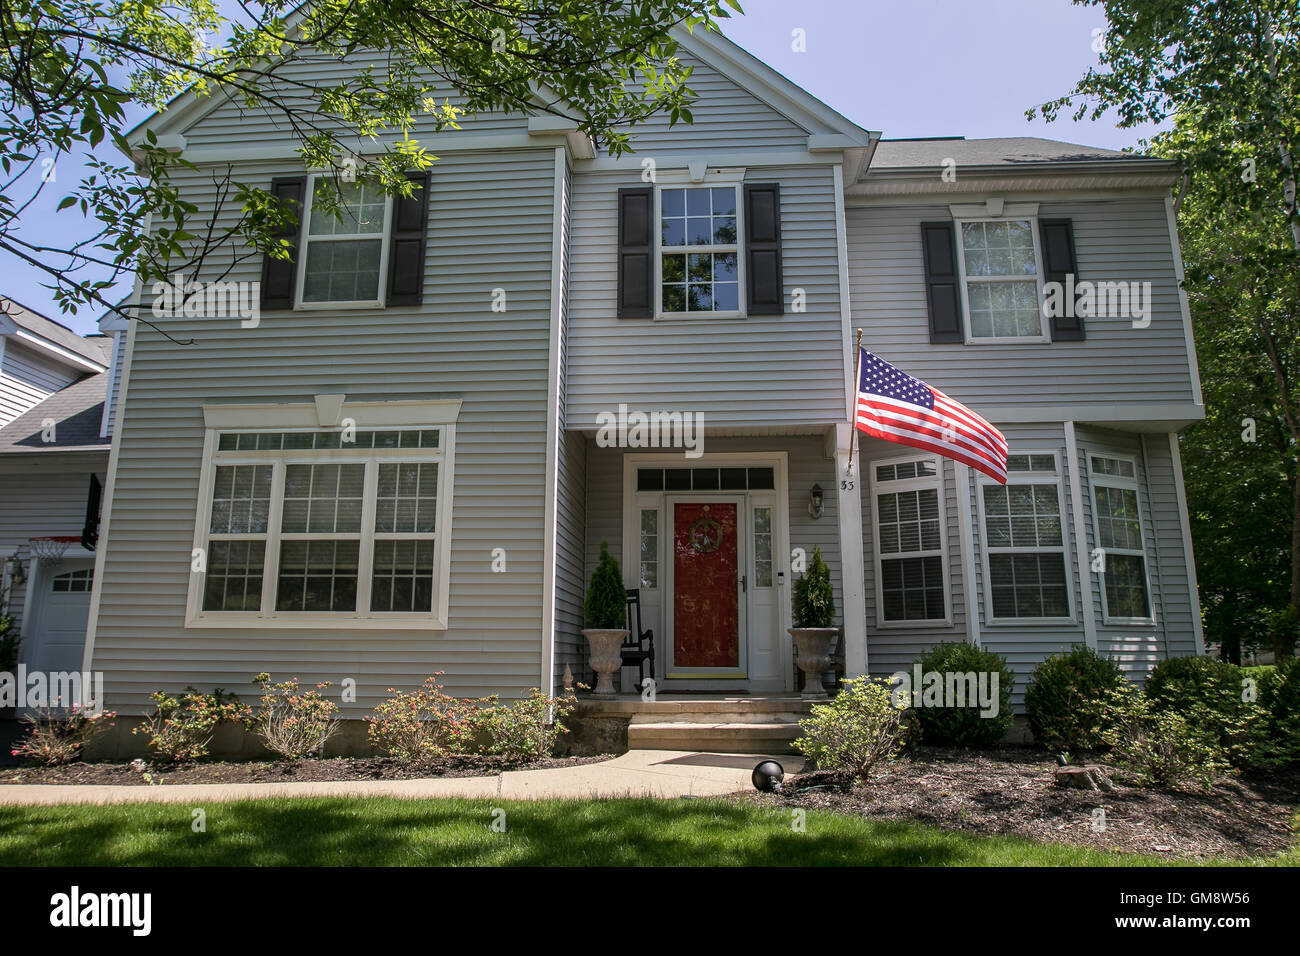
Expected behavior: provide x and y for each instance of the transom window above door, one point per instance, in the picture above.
(1000, 269)
(346, 225)
(699, 250)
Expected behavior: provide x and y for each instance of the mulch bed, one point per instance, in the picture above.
(280, 771)
(1011, 792)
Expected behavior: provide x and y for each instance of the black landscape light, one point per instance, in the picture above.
(767, 776)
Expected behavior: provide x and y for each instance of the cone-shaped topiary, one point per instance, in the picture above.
(606, 606)
(814, 601)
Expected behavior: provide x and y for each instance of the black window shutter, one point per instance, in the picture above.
(407, 244)
(1058, 262)
(764, 287)
(279, 275)
(636, 253)
(942, 281)
(90, 530)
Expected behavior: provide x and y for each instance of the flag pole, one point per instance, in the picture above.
(853, 417)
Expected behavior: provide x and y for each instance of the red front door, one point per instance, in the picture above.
(706, 605)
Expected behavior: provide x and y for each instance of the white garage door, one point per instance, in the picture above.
(57, 637)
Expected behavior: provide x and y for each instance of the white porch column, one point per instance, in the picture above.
(849, 506)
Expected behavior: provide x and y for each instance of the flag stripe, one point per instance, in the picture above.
(944, 450)
(892, 431)
(933, 425)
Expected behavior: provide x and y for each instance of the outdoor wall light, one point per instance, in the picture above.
(815, 501)
(14, 567)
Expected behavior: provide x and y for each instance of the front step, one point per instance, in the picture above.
(736, 737)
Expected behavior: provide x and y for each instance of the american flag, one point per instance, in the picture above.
(897, 407)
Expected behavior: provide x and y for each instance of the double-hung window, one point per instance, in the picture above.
(324, 527)
(1000, 270)
(909, 517)
(1025, 566)
(1118, 526)
(345, 255)
(699, 251)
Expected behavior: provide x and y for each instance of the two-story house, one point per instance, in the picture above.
(448, 402)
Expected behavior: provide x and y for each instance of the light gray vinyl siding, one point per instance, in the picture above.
(1138, 647)
(893, 647)
(233, 121)
(115, 381)
(38, 503)
(27, 378)
(724, 116)
(775, 370)
(490, 225)
(1115, 240)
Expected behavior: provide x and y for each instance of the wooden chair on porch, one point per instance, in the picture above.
(639, 646)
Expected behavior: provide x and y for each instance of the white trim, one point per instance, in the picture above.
(1189, 559)
(969, 578)
(971, 338)
(933, 482)
(852, 551)
(846, 309)
(994, 208)
(739, 250)
(50, 349)
(1097, 480)
(1143, 414)
(108, 389)
(1080, 536)
(1183, 306)
(110, 477)
(713, 176)
(550, 543)
(300, 416)
(383, 236)
(1026, 478)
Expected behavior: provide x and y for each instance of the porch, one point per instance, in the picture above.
(715, 723)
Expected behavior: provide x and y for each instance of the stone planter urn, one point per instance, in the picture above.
(605, 657)
(814, 656)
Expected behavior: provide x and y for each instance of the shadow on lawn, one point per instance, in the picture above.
(340, 832)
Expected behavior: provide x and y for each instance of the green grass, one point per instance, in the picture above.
(393, 832)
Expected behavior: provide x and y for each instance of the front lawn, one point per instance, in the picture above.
(395, 832)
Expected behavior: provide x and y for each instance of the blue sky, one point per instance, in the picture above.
(910, 68)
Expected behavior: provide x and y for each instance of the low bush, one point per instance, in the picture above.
(814, 599)
(1277, 737)
(857, 729)
(59, 735)
(1067, 701)
(1213, 693)
(528, 729)
(1161, 746)
(423, 723)
(292, 722)
(181, 727)
(962, 721)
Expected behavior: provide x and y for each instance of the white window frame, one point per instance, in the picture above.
(971, 338)
(1056, 480)
(877, 487)
(737, 313)
(290, 418)
(1098, 480)
(305, 240)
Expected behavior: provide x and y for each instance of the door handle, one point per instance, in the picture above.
(744, 583)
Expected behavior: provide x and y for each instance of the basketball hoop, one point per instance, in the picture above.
(50, 549)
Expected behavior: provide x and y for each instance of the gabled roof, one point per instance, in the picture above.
(927, 153)
(77, 411)
(52, 339)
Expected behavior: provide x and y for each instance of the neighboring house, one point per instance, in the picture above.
(55, 392)
(405, 466)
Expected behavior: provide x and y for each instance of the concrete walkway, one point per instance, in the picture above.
(637, 773)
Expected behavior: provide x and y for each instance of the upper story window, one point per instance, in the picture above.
(1117, 522)
(699, 250)
(344, 254)
(1025, 567)
(1000, 268)
(910, 571)
(324, 527)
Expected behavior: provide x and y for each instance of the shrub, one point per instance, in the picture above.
(1277, 737)
(181, 728)
(293, 722)
(814, 601)
(1068, 698)
(527, 729)
(423, 723)
(856, 730)
(1158, 745)
(9, 639)
(606, 605)
(966, 726)
(60, 735)
(1212, 692)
